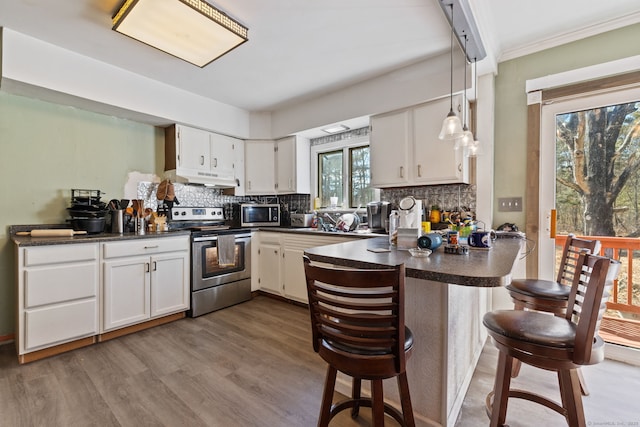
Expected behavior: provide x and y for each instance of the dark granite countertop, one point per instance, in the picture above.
(80, 238)
(481, 267)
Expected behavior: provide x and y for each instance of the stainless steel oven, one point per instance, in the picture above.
(217, 282)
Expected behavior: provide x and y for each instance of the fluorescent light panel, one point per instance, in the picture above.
(335, 129)
(191, 30)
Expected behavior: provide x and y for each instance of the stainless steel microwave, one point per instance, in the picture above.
(256, 215)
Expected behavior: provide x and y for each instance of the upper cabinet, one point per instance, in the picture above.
(201, 157)
(406, 150)
(277, 167)
(292, 165)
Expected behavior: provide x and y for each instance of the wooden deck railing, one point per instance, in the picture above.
(625, 296)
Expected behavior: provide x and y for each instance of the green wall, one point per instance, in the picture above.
(48, 149)
(511, 103)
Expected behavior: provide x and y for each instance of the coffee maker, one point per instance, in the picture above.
(377, 216)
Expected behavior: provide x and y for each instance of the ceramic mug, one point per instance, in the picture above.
(430, 241)
(480, 239)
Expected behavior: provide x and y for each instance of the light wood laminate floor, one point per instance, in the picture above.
(247, 365)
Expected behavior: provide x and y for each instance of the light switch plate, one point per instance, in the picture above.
(510, 204)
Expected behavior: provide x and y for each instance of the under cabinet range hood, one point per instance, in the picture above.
(210, 179)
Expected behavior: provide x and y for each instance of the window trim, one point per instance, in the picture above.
(345, 145)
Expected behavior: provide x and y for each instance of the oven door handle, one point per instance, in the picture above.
(214, 238)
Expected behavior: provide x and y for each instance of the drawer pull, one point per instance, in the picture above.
(151, 247)
(146, 267)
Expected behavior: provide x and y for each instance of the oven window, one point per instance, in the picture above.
(211, 263)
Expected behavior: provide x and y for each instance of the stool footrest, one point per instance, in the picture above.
(367, 403)
(526, 395)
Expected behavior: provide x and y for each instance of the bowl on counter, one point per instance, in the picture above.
(90, 225)
(420, 252)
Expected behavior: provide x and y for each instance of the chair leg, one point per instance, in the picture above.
(377, 403)
(405, 400)
(355, 394)
(571, 397)
(583, 383)
(327, 397)
(501, 390)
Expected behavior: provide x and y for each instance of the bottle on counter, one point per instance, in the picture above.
(434, 216)
(394, 222)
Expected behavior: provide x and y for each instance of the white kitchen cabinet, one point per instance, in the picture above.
(447, 166)
(293, 165)
(277, 167)
(279, 267)
(199, 156)
(389, 146)
(144, 279)
(269, 273)
(57, 290)
(406, 150)
(260, 167)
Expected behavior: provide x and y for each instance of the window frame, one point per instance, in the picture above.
(345, 145)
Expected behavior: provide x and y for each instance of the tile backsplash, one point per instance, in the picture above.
(201, 196)
(447, 197)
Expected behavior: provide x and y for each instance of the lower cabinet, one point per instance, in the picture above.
(57, 287)
(144, 279)
(279, 268)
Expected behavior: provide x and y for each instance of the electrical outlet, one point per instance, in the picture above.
(510, 204)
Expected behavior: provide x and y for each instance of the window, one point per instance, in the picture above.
(342, 170)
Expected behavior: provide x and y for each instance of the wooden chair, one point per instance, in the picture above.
(357, 323)
(552, 296)
(554, 343)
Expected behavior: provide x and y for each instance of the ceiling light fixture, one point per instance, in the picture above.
(451, 126)
(336, 129)
(191, 30)
(467, 136)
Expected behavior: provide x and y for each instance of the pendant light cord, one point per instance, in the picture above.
(464, 107)
(451, 59)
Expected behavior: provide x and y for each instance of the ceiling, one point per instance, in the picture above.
(298, 50)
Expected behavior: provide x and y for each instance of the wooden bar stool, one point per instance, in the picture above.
(554, 343)
(357, 323)
(552, 296)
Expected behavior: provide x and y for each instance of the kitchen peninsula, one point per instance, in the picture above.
(446, 297)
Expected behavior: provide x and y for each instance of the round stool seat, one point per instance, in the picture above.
(547, 289)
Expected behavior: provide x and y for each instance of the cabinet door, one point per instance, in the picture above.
(222, 155)
(194, 149)
(435, 161)
(295, 284)
(286, 165)
(269, 268)
(126, 290)
(169, 283)
(389, 142)
(259, 165)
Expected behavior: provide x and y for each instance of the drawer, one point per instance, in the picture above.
(60, 323)
(145, 247)
(56, 254)
(50, 285)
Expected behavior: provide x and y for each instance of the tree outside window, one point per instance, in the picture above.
(598, 171)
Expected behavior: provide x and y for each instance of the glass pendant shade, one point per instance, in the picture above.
(475, 149)
(451, 127)
(465, 140)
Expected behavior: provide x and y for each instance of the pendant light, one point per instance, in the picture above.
(474, 147)
(467, 137)
(451, 126)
